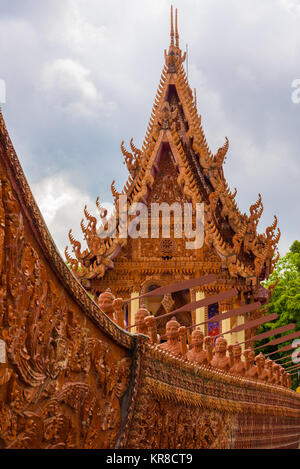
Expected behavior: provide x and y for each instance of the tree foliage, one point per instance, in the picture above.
(285, 300)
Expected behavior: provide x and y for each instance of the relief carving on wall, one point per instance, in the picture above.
(166, 425)
(61, 386)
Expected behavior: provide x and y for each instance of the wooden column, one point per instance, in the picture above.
(226, 324)
(237, 336)
(134, 306)
(240, 336)
(238, 321)
(200, 312)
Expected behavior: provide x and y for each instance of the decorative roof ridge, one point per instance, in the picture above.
(161, 90)
(194, 119)
(229, 254)
(191, 113)
(199, 159)
(149, 140)
(102, 248)
(206, 157)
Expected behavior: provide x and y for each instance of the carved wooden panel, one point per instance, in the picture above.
(166, 188)
(62, 374)
(184, 405)
(165, 425)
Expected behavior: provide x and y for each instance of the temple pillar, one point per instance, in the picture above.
(134, 306)
(225, 306)
(241, 335)
(232, 322)
(239, 320)
(193, 313)
(225, 328)
(200, 312)
(238, 336)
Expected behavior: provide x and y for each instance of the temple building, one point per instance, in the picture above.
(176, 165)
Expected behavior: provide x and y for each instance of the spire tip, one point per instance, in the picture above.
(176, 29)
(172, 27)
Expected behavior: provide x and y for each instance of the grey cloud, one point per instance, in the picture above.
(243, 58)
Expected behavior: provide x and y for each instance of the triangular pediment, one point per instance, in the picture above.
(165, 187)
(175, 163)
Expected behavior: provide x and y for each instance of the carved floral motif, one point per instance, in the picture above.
(63, 385)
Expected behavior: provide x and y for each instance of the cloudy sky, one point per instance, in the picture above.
(81, 76)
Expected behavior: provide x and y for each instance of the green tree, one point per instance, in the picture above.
(285, 300)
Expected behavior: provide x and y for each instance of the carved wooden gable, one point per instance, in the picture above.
(165, 187)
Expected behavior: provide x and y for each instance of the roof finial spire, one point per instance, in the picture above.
(172, 27)
(176, 29)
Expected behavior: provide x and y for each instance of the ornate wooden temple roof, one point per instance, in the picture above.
(71, 378)
(175, 124)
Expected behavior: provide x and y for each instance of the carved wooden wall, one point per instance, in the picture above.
(182, 405)
(64, 366)
(70, 378)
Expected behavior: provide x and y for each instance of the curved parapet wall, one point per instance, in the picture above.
(71, 378)
(64, 366)
(182, 405)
